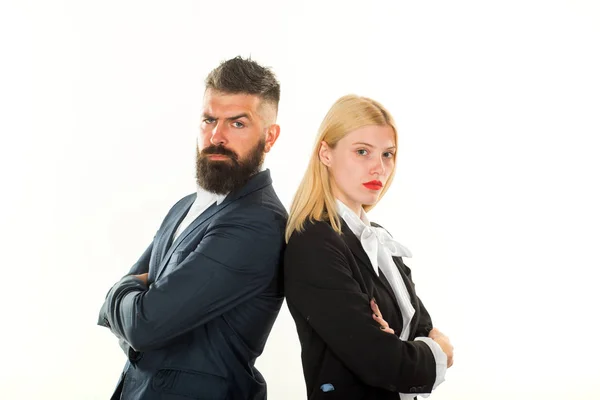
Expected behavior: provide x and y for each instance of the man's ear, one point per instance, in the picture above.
(271, 136)
(325, 154)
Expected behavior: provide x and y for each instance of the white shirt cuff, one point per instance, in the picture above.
(441, 365)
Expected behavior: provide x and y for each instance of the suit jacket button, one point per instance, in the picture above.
(413, 390)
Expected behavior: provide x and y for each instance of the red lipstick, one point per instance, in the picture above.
(373, 185)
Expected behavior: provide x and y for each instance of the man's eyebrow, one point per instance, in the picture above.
(239, 116)
(232, 118)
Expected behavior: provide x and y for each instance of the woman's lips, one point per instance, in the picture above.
(373, 185)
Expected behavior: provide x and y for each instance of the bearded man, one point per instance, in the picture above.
(195, 311)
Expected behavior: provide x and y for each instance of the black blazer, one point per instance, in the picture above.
(329, 282)
(213, 296)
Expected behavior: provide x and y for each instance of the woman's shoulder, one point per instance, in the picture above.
(314, 232)
(312, 251)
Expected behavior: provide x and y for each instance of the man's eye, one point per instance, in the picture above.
(209, 120)
(361, 152)
(238, 124)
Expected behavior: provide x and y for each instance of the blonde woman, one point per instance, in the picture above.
(364, 332)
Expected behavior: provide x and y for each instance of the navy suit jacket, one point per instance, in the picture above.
(212, 297)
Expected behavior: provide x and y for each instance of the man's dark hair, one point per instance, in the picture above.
(239, 75)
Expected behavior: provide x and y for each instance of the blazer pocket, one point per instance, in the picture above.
(191, 384)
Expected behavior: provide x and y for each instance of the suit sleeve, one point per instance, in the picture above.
(319, 284)
(143, 264)
(424, 325)
(140, 267)
(235, 260)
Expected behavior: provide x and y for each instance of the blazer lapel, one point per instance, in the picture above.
(257, 182)
(209, 212)
(169, 230)
(356, 247)
(411, 293)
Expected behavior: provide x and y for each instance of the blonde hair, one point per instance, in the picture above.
(314, 200)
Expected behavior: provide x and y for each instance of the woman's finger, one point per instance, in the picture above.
(375, 308)
(387, 330)
(384, 325)
(380, 320)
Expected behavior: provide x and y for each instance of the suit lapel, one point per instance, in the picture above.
(359, 253)
(411, 293)
(257, 182)
(355, 246)
(169, 230)
(209, 212)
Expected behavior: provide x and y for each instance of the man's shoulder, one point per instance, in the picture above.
(263, 201)
(253, 212)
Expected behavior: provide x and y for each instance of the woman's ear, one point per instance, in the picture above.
(325, 154)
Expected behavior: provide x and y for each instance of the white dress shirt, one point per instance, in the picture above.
(380, 247)
(204, 199)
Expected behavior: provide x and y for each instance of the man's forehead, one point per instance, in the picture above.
(230, 104)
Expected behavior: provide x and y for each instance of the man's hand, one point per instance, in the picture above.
(142, 277)
(444, 343)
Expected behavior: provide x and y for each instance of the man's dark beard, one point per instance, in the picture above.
(226, 176)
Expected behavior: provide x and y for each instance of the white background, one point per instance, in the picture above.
(496, 194)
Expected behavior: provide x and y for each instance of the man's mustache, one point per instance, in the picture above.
(212, 149)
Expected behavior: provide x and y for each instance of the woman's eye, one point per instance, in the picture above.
(388, 154)
(361, 152)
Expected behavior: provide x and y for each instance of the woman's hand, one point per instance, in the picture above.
(444, 343)
(379, 318)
